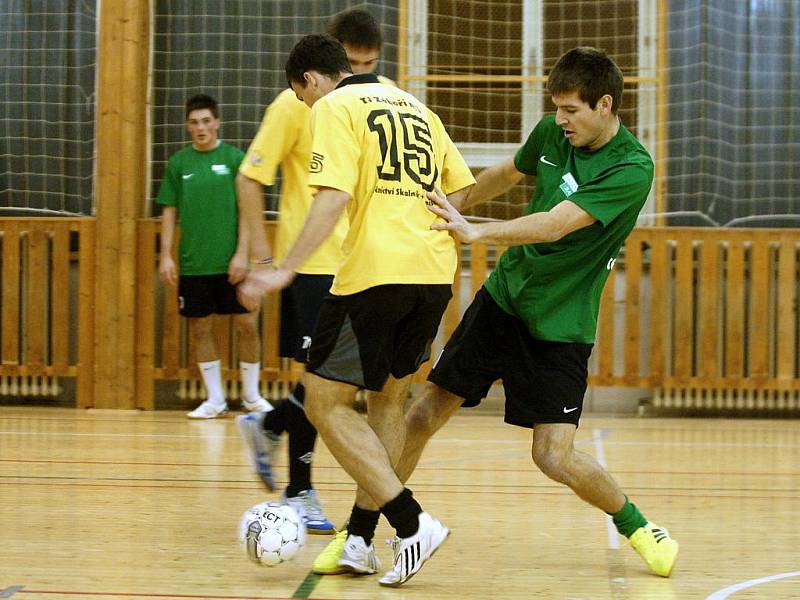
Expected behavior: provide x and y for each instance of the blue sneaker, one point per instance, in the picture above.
(260, 447)
(308, 507)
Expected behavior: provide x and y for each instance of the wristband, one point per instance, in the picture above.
(261, 261)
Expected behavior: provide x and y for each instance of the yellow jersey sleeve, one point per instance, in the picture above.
(279, 132)
(284, 139)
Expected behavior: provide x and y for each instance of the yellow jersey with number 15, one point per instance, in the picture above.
(386, 149)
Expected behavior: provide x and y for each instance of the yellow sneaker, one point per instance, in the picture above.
(657, 549)
(327, 561)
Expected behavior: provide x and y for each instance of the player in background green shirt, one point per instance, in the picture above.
(533, 323)
(198, 190)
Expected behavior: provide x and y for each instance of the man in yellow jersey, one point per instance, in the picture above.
(284, 138)
(376, 151)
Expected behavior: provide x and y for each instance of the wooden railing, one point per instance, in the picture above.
(687, 309)
(47, 301)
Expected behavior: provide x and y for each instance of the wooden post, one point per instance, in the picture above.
(123, 56)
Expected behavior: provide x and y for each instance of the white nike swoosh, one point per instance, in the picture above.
(547, 162)
(569, 410)
(188, 176)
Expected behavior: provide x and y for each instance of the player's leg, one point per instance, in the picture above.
(302, 300)
(554, 453)
(467, 366)
(363, 339)
(558, 371)
(299, 310)
(329, 406)
(356, 552)
(249, 350)
(195, 301)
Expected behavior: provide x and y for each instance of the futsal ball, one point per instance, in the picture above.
(271, 533)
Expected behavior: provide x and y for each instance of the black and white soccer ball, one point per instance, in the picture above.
(271, 533)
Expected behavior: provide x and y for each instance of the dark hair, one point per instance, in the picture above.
(201, 101)
(589, 72)
(357, 28)
(318, 52)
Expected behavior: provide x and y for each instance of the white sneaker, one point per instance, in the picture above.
(257, 405)
(359, 558)
(208, 410)
(411, 553)
(306, 504)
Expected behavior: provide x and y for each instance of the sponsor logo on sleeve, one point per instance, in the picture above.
(568, 185)
(315, 166)
(256, 159)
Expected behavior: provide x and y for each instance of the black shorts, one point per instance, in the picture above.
(201, 295)
(300, 305)
(363, 338)
(544, 381)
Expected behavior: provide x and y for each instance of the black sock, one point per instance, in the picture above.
(363, 522)
(302, 437)
(403, 513)
(275, 420)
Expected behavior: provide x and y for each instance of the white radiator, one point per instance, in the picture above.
(711, 399)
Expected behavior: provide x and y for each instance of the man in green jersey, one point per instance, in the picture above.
(198, 189)
(284, 139)
(533, 323)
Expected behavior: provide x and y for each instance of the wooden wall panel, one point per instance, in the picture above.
(683, 337)
(708, 315)
(11, 293)
(734, 310)
(787, 308)
(633, 278)
(60, 297)
(36, 281)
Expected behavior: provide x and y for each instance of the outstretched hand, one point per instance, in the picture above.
(259, 283)
(454, 221)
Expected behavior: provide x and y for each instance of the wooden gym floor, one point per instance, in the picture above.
(117, 504)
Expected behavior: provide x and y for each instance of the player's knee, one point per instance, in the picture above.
(551, 462)
(420, 419)
(246, 325)
(428, 414)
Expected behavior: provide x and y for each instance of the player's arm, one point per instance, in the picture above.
(327, 208)
(250, 197)
(167, 271)
(490, 183)
(458, 198)
(564, 218)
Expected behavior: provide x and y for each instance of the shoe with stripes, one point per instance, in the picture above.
(657, 549)
(411, 553)
(260, 447)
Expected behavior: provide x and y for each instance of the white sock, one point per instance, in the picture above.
(250, 376)
(212, 377)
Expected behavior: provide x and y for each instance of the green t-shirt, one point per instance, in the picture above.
(555, 288)
(201, 186)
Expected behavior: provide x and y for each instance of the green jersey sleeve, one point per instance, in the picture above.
(170, 186)
(615, 191)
